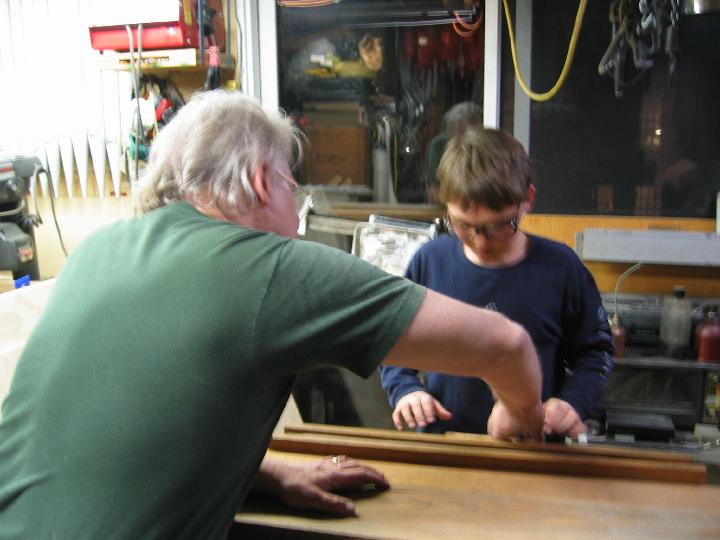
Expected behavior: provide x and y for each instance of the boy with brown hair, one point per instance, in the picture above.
(487, 261)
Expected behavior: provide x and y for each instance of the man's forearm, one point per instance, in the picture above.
(519, 386)
(452, 337)
(268, 476)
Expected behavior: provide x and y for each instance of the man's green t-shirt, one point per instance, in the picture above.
(144, 401)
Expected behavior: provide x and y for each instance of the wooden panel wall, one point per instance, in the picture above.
(655, 279)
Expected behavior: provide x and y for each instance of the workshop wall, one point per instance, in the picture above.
(78, 217)
(651, 279)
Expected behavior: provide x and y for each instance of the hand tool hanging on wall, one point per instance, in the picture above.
(167, 98)
(646, 28)
(205, 22)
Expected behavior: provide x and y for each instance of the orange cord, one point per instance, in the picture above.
(468, 26)
(462, 33)
(306, 3)
(464, 29)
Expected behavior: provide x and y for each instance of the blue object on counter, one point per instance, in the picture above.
(22, 282)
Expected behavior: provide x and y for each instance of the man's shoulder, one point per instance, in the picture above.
(326, 262)
(314, 251)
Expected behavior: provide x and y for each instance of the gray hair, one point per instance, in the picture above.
(460, 116)
(210, 149)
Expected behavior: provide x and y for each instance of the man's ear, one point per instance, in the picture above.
(529, 202)
(259, 181)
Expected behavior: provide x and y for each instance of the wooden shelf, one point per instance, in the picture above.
(160, 60)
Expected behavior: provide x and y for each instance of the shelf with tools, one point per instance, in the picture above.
(163, 59)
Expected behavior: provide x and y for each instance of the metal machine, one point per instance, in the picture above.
(649, 393)
(17, 237)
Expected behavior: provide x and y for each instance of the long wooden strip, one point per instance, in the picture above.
(488, 458)
(484, 441)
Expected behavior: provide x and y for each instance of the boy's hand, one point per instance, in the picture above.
(418, 409)
(562, 419)
(526, 425)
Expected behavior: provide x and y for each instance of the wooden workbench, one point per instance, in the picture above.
(462, 487)
(464, 501)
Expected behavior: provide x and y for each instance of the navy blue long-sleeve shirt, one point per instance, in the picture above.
(550, 293)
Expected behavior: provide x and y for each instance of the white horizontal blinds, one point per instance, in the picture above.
(11, 82)
(82, 110)
(32, 103)
(55, 102)
(8, 89)
(111, 83)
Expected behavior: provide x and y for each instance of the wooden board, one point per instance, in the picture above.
(485, 441)
(431, 502)
(435, 453)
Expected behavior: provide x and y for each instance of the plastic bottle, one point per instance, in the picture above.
(675, 322)
(708, 338)
(618, 336)
(712, 398)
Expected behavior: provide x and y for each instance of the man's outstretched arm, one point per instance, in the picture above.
(449, 336)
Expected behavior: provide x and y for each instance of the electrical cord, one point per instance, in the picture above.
(36, 219)
(622, 277)
(57, 225)
(464, 29)
(51, 189)
(307, 3)
(568, 58)
(135, 73)
(15, 211)
(140, 132)
(468, 26)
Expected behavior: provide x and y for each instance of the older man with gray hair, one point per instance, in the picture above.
(144, 401)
